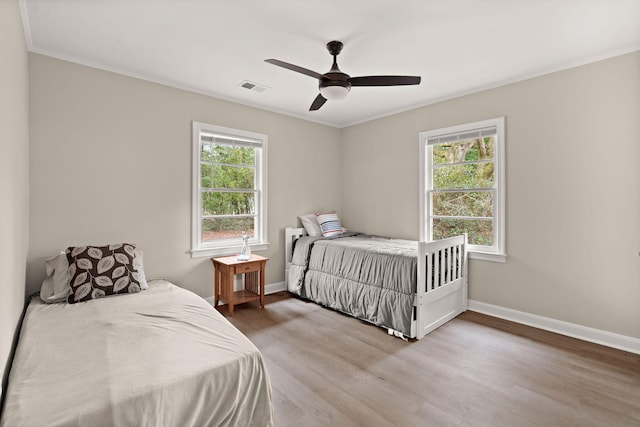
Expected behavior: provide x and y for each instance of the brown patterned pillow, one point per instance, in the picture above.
(98, 271)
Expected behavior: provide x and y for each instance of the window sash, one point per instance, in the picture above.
(433, 216)
(431, 190)
(256, 191)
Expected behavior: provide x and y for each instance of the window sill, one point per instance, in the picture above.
(488, 256)
(225, 250)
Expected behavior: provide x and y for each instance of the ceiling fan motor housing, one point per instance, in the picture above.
(336, 79)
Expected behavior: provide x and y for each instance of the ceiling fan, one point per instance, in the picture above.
(336, 85)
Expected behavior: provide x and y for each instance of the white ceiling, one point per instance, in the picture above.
(211, 46)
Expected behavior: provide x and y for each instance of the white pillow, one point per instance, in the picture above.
(55, 287)
(311, 225)
(137, 263)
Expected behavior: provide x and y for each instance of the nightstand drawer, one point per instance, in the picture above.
(247, 268)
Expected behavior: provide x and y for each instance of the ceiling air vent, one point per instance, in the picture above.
(256, 87)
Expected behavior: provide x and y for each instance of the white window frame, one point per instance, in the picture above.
(229, 246)
(497, 252)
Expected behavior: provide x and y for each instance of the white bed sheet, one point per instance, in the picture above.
(162, 357)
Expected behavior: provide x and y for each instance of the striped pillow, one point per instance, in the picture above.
(330, 224)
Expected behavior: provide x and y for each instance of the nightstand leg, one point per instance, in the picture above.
(216, 286)
(262, 286)
(229, 287)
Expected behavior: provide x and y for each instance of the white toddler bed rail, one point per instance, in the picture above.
(441, 291)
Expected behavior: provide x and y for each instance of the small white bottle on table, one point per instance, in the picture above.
(245, 252)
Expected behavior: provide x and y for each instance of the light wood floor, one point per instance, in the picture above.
(328, 369)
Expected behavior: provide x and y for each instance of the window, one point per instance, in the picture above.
(229, 190)
(462, 186)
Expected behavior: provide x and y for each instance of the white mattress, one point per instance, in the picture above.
(162, 357)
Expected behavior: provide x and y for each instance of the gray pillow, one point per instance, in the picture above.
(311, 225)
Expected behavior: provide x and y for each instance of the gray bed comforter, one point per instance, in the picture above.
(371, 278)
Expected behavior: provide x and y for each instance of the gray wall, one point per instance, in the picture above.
(572, 196)
(111, 162)
(14, 174)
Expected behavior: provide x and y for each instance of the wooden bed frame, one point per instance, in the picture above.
(442, 280)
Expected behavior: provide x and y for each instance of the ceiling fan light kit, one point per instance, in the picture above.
(334, 92)
(335, 84)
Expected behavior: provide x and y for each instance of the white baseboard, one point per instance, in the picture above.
(271, 288)
(274, 287)
(609, 339)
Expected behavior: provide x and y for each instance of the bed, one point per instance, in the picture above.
(408, 287)
(159, 357)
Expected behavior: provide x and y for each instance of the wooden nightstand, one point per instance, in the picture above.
(224, 270)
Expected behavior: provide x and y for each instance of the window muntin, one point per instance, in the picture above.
(462, 184)
(229, 189)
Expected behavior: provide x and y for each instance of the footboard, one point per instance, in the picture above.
(442, 282)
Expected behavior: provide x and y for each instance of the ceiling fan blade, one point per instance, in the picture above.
(295, 68)
(384, 80)
(317, 103)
